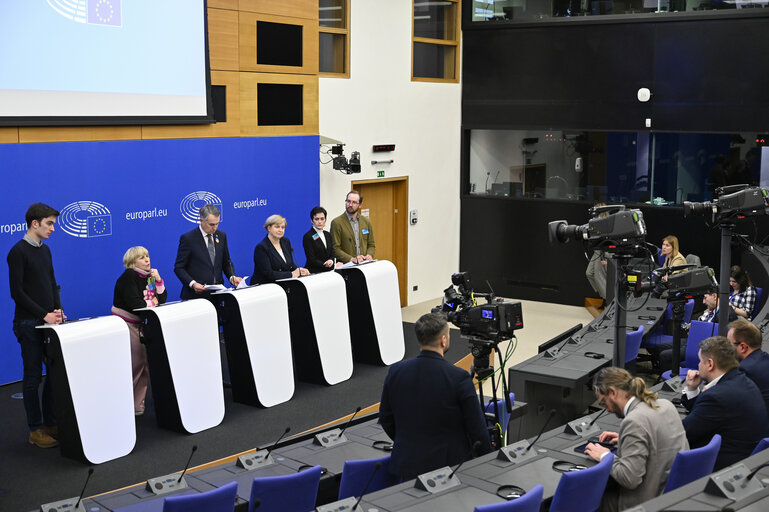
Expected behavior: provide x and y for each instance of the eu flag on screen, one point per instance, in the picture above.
(99, 225)
(104, 12)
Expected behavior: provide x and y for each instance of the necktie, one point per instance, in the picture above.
(211, 251)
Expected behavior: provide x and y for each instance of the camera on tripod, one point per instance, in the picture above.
(733, 202)
(612, 229)
(494, 321)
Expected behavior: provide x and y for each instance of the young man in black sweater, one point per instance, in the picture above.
(36, 294)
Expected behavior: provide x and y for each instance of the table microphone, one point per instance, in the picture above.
(473, 452)
(552, 413)
(365, 488)
(288, 429)
(594, 419)
(80, 498)
(357, 410)
(753, 473)
(194, 449)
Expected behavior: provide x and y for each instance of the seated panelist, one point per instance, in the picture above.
(273, 256)
(318, 244)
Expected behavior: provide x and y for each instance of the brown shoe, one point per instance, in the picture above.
(52, 430)
(40, 438)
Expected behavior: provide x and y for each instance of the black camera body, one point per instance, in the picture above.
(745, 202)
(612, 229)
(495, 321)
(697, 281)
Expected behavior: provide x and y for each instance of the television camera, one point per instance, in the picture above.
(612, 229)
(733, 202)
(340, 162)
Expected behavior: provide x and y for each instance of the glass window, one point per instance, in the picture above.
(519, 10)
(436, 40)
(333, 38)
(613, 167)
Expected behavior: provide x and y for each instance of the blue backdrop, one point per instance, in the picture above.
(114, 195)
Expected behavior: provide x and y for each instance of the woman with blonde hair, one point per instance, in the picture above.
(273, 256)
(140, 286)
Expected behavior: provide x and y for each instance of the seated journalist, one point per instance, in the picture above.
(140, 286)
(273, 256)
(649, 438)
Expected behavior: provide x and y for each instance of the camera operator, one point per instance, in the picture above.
(430, 408)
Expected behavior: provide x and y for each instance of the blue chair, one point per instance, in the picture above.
(761, 446)
(698, 331)
(502, 412)
(691, 465)
(291, 493)
(529, 502)
(657, 335)
(221, 499)
(633, 344)
(356, 474)
(581, 491)
(759, 298)
(660, 257)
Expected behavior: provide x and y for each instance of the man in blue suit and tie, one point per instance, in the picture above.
(203, 256)
(430, 408)
(747, 339)
(729, 404)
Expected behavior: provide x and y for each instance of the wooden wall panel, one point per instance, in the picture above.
(223, 39)
(249, 104)
(223, 4)
(247, 36)
(231, 128)
(78, 133)
(9, 135)
(295, 8)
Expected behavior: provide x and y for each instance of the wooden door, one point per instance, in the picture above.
(385, 202)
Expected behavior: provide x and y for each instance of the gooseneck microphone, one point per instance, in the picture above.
(753, 473)
(357, 410)
(596, 418)
(552, 413)
(80, 498)
(186, 467)
(288, 429)
(365, 487)
(473, 451)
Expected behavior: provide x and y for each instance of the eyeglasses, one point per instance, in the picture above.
(351, 202)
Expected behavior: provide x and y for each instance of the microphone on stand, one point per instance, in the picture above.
(365, 488)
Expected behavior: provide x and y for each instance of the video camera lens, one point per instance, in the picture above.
(560, 231)
(697, 208)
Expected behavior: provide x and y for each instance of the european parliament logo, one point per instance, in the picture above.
(85, 219)
(192, 203)
(94, 12)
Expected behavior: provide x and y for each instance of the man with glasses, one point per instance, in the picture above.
(352, 233)
(729, 404)
(747, 339)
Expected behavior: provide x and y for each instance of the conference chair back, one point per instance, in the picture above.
(291, 493)
(698, 331)
(529, 502)
(582, 491)
(759, 298)
(357, 473)
(657, 335)
(693, 464)
(221, 499)
(761, 446)
(633, 343)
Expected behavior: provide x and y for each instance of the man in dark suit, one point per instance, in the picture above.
(729, 404)
(203, 256)
(317, 243)
(747, 339)
(430, 408)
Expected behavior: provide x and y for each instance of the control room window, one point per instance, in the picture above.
(435, 41)
(334, 38)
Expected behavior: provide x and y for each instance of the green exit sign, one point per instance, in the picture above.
(380, 174)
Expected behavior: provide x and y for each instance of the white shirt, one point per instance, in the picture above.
(321, 235)
(692, 394)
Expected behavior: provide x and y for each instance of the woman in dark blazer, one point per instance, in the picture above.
(320, 255)
(273, 256)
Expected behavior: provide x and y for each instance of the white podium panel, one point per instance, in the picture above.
(384, 296)
(320, 330)
(265, 328)
(191, 335)
(97, 359)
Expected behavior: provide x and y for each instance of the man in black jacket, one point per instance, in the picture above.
(729, 404)
(747, 339)
(430, 408)
(36, 294)
(203, 256)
